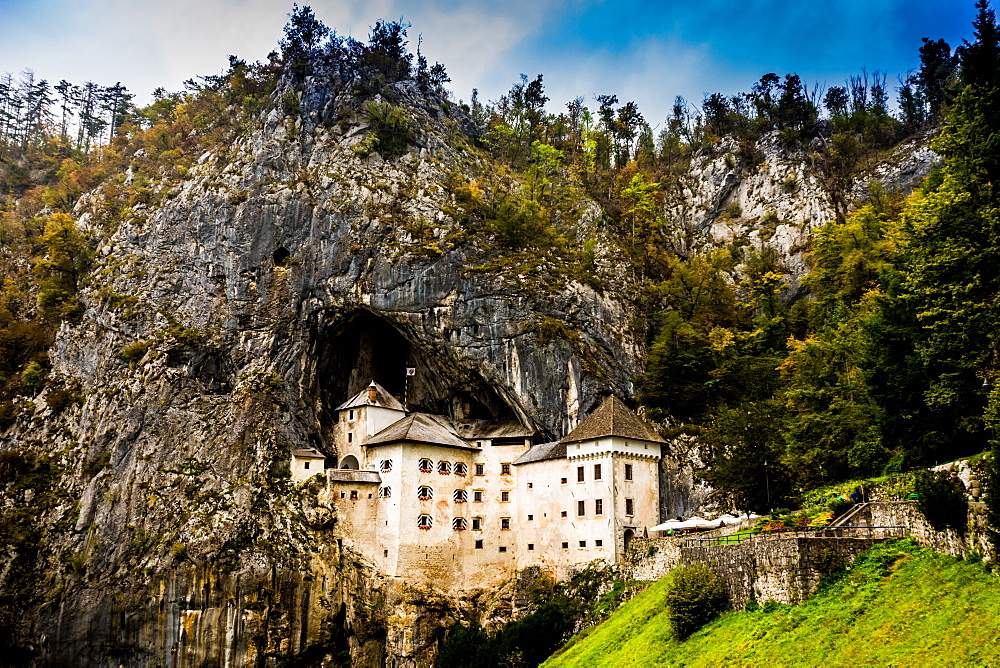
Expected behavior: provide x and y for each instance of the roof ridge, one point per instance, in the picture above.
(613, 417)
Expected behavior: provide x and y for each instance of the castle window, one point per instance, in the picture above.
(581, 508)
(628, 471)
(565, 546)
(504, 524)
(305, 465)
(564, 514)
(563, 480)
(503, 548)
(460, 496)
(531, 546)
(579, 474)
(425, 493)
(629, 507)
(598, 543)
(458, 524)
(425, 522)
(444, 468)
(350, 437)
(598, 506)
(461, 469)
(505, 496)
(480, 469)
(583, 543)
(505, 469)
(477, 495)
(384, 492)
(479, 544)
(597, 471)
(426, 466)
(531, 518)
(385, 465)
(354, 495)
(477, 523)
(350, 415)
(530, 485)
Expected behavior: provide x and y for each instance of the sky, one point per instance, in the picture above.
(644, 51)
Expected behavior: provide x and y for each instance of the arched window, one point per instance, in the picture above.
(461, 469)
(425, 522)
(385, 465)
(460, 496)
(444, 468)
(425, 493)
(426, 466)
(384, 492)
(458, 524)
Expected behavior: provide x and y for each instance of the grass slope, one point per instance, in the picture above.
(898, 605)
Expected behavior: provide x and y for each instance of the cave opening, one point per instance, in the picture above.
(362, 346)
(280, 256)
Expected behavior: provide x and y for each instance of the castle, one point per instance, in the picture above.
(465, 504)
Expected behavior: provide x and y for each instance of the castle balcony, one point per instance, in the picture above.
(353, 476)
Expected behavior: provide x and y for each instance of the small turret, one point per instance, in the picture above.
(372, 393)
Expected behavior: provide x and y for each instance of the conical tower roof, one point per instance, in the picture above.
(363, 398)
(613, 418)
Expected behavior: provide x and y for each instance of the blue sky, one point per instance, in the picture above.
(643, 51)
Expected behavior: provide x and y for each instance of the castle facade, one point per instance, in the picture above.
(466, 504)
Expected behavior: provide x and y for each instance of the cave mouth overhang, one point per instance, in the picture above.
(352, 348)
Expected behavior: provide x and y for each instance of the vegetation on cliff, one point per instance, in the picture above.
(876, 361)
(890, 362)
(898, 604)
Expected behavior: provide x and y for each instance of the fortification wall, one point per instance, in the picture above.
(651, 558)
(783, 569)
(906, 513)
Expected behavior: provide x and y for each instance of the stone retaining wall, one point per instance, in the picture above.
(651, 558)
(783, 569)
(906, 513)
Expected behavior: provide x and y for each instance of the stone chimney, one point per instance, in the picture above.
(372, 394)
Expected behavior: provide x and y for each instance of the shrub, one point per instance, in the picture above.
(537, 635)
(465, 646)
(696, 595)
(840, 505)
(33, 375)
(134, 352)
(941, 501)
(95, 465)
(391, 126)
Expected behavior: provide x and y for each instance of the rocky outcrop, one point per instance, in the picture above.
(773, 196)
(223, 325)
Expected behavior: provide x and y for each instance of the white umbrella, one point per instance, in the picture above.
(690, 523)
(699, 523)
(729, 519)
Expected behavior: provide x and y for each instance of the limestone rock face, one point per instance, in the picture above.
(773, 196)
(222, 327)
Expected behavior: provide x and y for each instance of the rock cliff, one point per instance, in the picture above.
(223, 325)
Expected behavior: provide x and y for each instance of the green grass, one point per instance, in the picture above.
(897, 605)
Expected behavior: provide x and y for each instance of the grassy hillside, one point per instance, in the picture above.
(897, 605)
